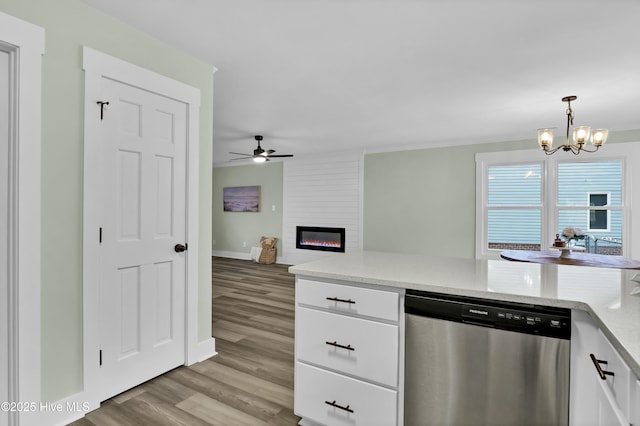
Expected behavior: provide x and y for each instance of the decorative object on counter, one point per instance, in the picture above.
(567, 249)
(571, 232)
(558, 241)
(581, 134)
(570, 258)
(572, 235)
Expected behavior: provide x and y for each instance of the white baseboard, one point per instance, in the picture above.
(239, 255)
(206, 349)
(231, 254)
(64, 411)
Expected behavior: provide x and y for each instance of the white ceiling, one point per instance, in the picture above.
(375, 75)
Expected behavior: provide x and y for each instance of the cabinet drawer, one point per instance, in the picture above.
(356, 346)
(348, 299)
(323, 393)
(619, 383)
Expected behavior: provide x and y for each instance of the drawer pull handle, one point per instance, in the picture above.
(337, 345)
(335, 299)
(602, 373)
(333, 404)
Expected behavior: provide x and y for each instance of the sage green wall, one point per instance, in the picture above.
(418, 201)
(423, 201)
(231, 229)
(70, 24)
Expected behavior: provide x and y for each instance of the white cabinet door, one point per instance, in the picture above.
(582, 393)
(608, 411)
(595, 401)
(619, 382)
(634, 417)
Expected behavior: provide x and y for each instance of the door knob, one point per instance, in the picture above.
(179, 248)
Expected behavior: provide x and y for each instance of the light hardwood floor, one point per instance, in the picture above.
(249, 382)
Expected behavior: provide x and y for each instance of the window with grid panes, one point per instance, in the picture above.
(523, 204)
(514, 206)
(590, 199)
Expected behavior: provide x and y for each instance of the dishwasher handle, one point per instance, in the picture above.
(478, 321)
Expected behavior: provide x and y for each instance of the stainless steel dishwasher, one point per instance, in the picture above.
(476, 362)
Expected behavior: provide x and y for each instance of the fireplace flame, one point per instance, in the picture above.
(320, 243)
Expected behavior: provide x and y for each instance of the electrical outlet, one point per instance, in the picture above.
(213, 242)
(244, 244)
(273, 208)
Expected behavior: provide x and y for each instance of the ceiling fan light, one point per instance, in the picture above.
(599, 137)
(259, 159)
(581, 134)
(545, 138)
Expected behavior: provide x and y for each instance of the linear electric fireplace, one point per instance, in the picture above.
(320, 238)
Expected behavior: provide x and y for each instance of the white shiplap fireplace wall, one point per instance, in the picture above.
(322, 191)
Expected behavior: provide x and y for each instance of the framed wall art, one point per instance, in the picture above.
(241, 198)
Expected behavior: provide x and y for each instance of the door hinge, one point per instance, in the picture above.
(102, 105)
(100, 356)
(100, 235)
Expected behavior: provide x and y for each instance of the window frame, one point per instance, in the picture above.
(538, 208)
(628, 153)
(592, 209)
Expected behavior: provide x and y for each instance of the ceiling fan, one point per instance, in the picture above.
(260, 155)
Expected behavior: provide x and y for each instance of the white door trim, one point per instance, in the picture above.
(96, 66)
(26, 50)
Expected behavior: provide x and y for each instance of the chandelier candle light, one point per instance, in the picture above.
(581, 134)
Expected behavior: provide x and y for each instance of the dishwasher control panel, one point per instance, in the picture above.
(518, 317)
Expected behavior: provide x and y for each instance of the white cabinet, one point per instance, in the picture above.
(608, 412)
(604, 391)
(347, 354)
(635, 404)
(613, 372)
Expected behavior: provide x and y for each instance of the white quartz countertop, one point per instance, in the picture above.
(610, 296)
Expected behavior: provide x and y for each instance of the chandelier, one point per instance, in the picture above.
(581, 134)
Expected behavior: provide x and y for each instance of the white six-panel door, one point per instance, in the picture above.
(142, 278)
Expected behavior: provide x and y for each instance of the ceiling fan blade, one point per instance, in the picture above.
(260, 154)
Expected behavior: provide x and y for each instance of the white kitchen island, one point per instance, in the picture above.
(609, 298)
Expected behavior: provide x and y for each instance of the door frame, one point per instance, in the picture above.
(25, 44)
(97, 65)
